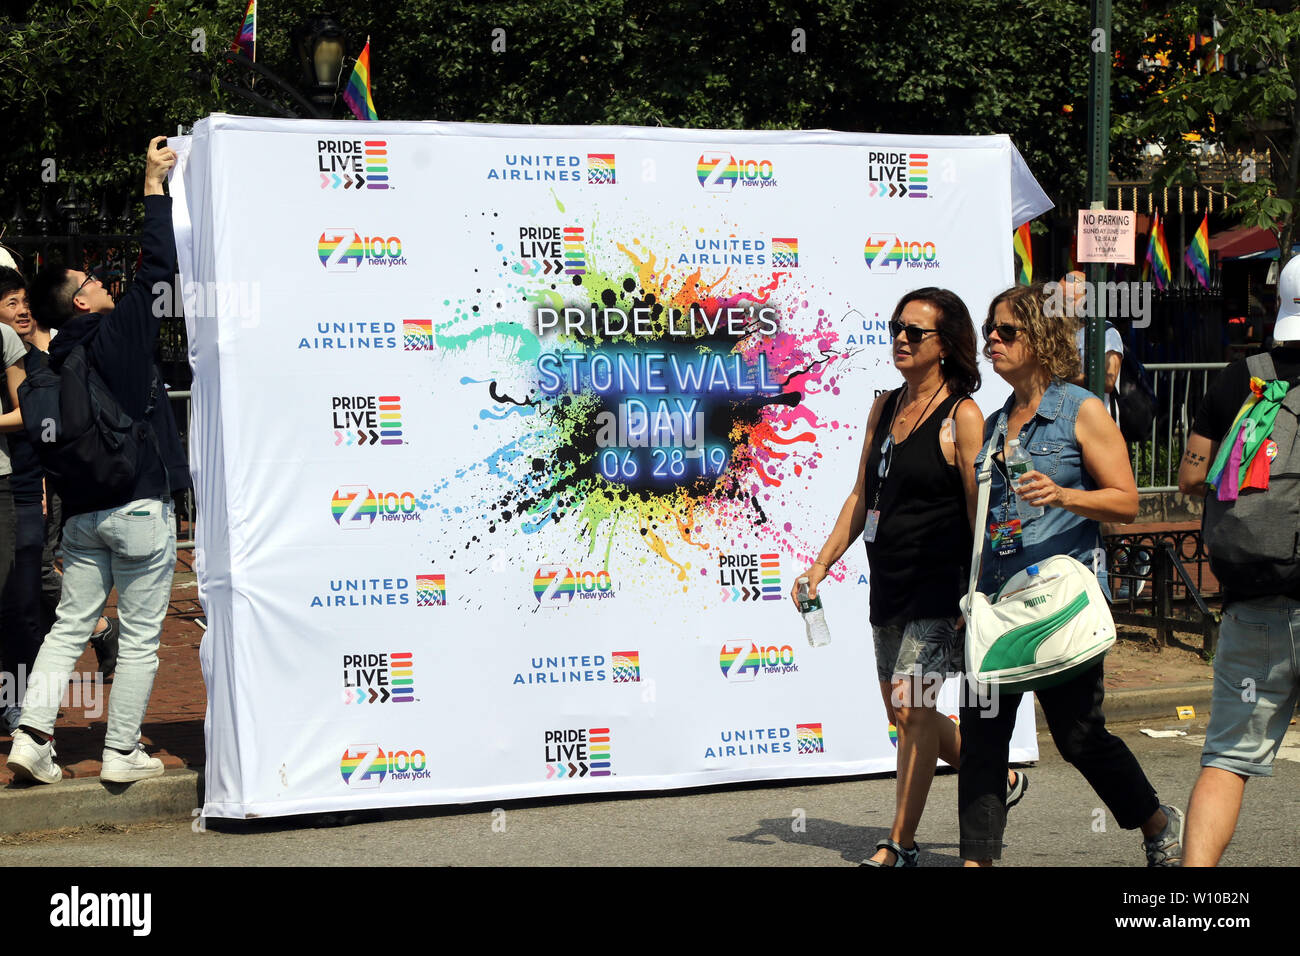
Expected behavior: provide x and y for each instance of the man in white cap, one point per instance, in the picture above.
(1251, 531)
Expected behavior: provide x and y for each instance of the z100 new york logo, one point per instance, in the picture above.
(357, 506)
(720, 172)
(742, 661)
(367, 766)
(345, 249)
(556, 586)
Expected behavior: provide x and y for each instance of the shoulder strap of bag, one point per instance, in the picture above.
(982, 509)
(1260, 365)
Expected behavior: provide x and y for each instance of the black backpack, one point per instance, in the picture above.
(80, 432)
(1135, 398)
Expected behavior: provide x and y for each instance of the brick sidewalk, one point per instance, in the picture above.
(173, 725)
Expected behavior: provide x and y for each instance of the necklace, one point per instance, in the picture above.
(902, 419)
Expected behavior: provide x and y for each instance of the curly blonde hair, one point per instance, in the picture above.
(1051, 338)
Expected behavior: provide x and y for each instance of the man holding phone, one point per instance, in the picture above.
(123, 534)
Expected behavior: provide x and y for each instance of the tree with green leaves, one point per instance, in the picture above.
(1237, 90)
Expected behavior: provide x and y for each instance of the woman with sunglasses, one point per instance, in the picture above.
(912, 501)
(1080, 477)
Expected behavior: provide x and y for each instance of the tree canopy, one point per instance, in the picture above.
(87, 83)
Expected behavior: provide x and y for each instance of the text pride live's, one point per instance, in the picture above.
(505, 479)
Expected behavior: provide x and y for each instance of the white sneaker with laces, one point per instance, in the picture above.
(128, 768)
(33, 761)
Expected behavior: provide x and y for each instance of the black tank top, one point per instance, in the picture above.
(920, 560)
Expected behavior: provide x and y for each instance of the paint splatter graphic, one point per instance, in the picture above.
(672, 409)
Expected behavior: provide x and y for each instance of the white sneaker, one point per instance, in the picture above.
(128, 768)
(32, 761)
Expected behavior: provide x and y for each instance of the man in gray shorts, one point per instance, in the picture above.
(1256, 677)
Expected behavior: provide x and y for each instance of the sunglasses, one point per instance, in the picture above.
(1005, 331)
(915, 334)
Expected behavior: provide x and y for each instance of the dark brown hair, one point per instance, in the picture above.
(957, 333)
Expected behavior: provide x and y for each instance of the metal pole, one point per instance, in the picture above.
(1098, 177)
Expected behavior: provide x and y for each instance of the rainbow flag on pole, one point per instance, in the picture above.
(1156, 265)
(1197, 256)
(1025, 250)
(246, 42)
(357, 94)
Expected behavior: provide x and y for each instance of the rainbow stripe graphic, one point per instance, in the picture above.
(600, 169)
(357, 94)
(809, 737)
(893, 735)
(751, 663)
(575, 251)
(770, 575)
(598, 751)
(417, 335)
(376, 163)
(543, 578)
(329, 242)
(627, 667)
(431, 590)
(876, 255)
(401, 675)
(343, 497)
(785, 253)
(730, 174)
(1156, 266)
(246, 42)
(1024, 248)
(918, 175)
(390, 419)
(374, 774)
(1197, 256)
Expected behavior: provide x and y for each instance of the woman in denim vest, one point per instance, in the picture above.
(1081, 476)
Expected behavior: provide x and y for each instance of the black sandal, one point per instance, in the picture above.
(901, 857)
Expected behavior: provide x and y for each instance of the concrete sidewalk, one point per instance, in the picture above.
(173, 731)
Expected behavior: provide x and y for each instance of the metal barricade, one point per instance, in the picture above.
(1179, 388)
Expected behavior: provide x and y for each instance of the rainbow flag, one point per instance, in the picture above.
(357, 94)
(1025, 250)
(1197, 256)
(1156, 265)
(246, 42)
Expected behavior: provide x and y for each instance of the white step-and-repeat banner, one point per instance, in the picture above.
(510, 441)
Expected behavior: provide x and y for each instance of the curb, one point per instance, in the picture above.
(90, 802)
(1147, 703)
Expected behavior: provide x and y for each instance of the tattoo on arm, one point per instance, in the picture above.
(1194, 459)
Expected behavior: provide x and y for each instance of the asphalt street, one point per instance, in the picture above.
(1060, 823)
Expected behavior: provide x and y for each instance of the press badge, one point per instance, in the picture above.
(1004, 536)
(873, 522)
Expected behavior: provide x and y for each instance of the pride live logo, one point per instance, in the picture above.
(352, 163)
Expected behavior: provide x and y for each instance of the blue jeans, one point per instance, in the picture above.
(1256, 685)
(133, 548)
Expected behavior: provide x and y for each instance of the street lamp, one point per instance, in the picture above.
(320, 45)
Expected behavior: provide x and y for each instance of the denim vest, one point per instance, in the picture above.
(1049, 438)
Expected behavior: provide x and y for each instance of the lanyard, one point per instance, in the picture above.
(887, 449)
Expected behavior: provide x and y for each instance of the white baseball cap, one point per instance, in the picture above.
(1288, 303)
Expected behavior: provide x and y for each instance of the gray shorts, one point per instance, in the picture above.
(929, 647)
(1256, 685)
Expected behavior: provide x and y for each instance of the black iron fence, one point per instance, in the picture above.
(114, 258)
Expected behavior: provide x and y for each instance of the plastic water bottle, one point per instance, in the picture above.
(1019, 462)
(814, 618)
